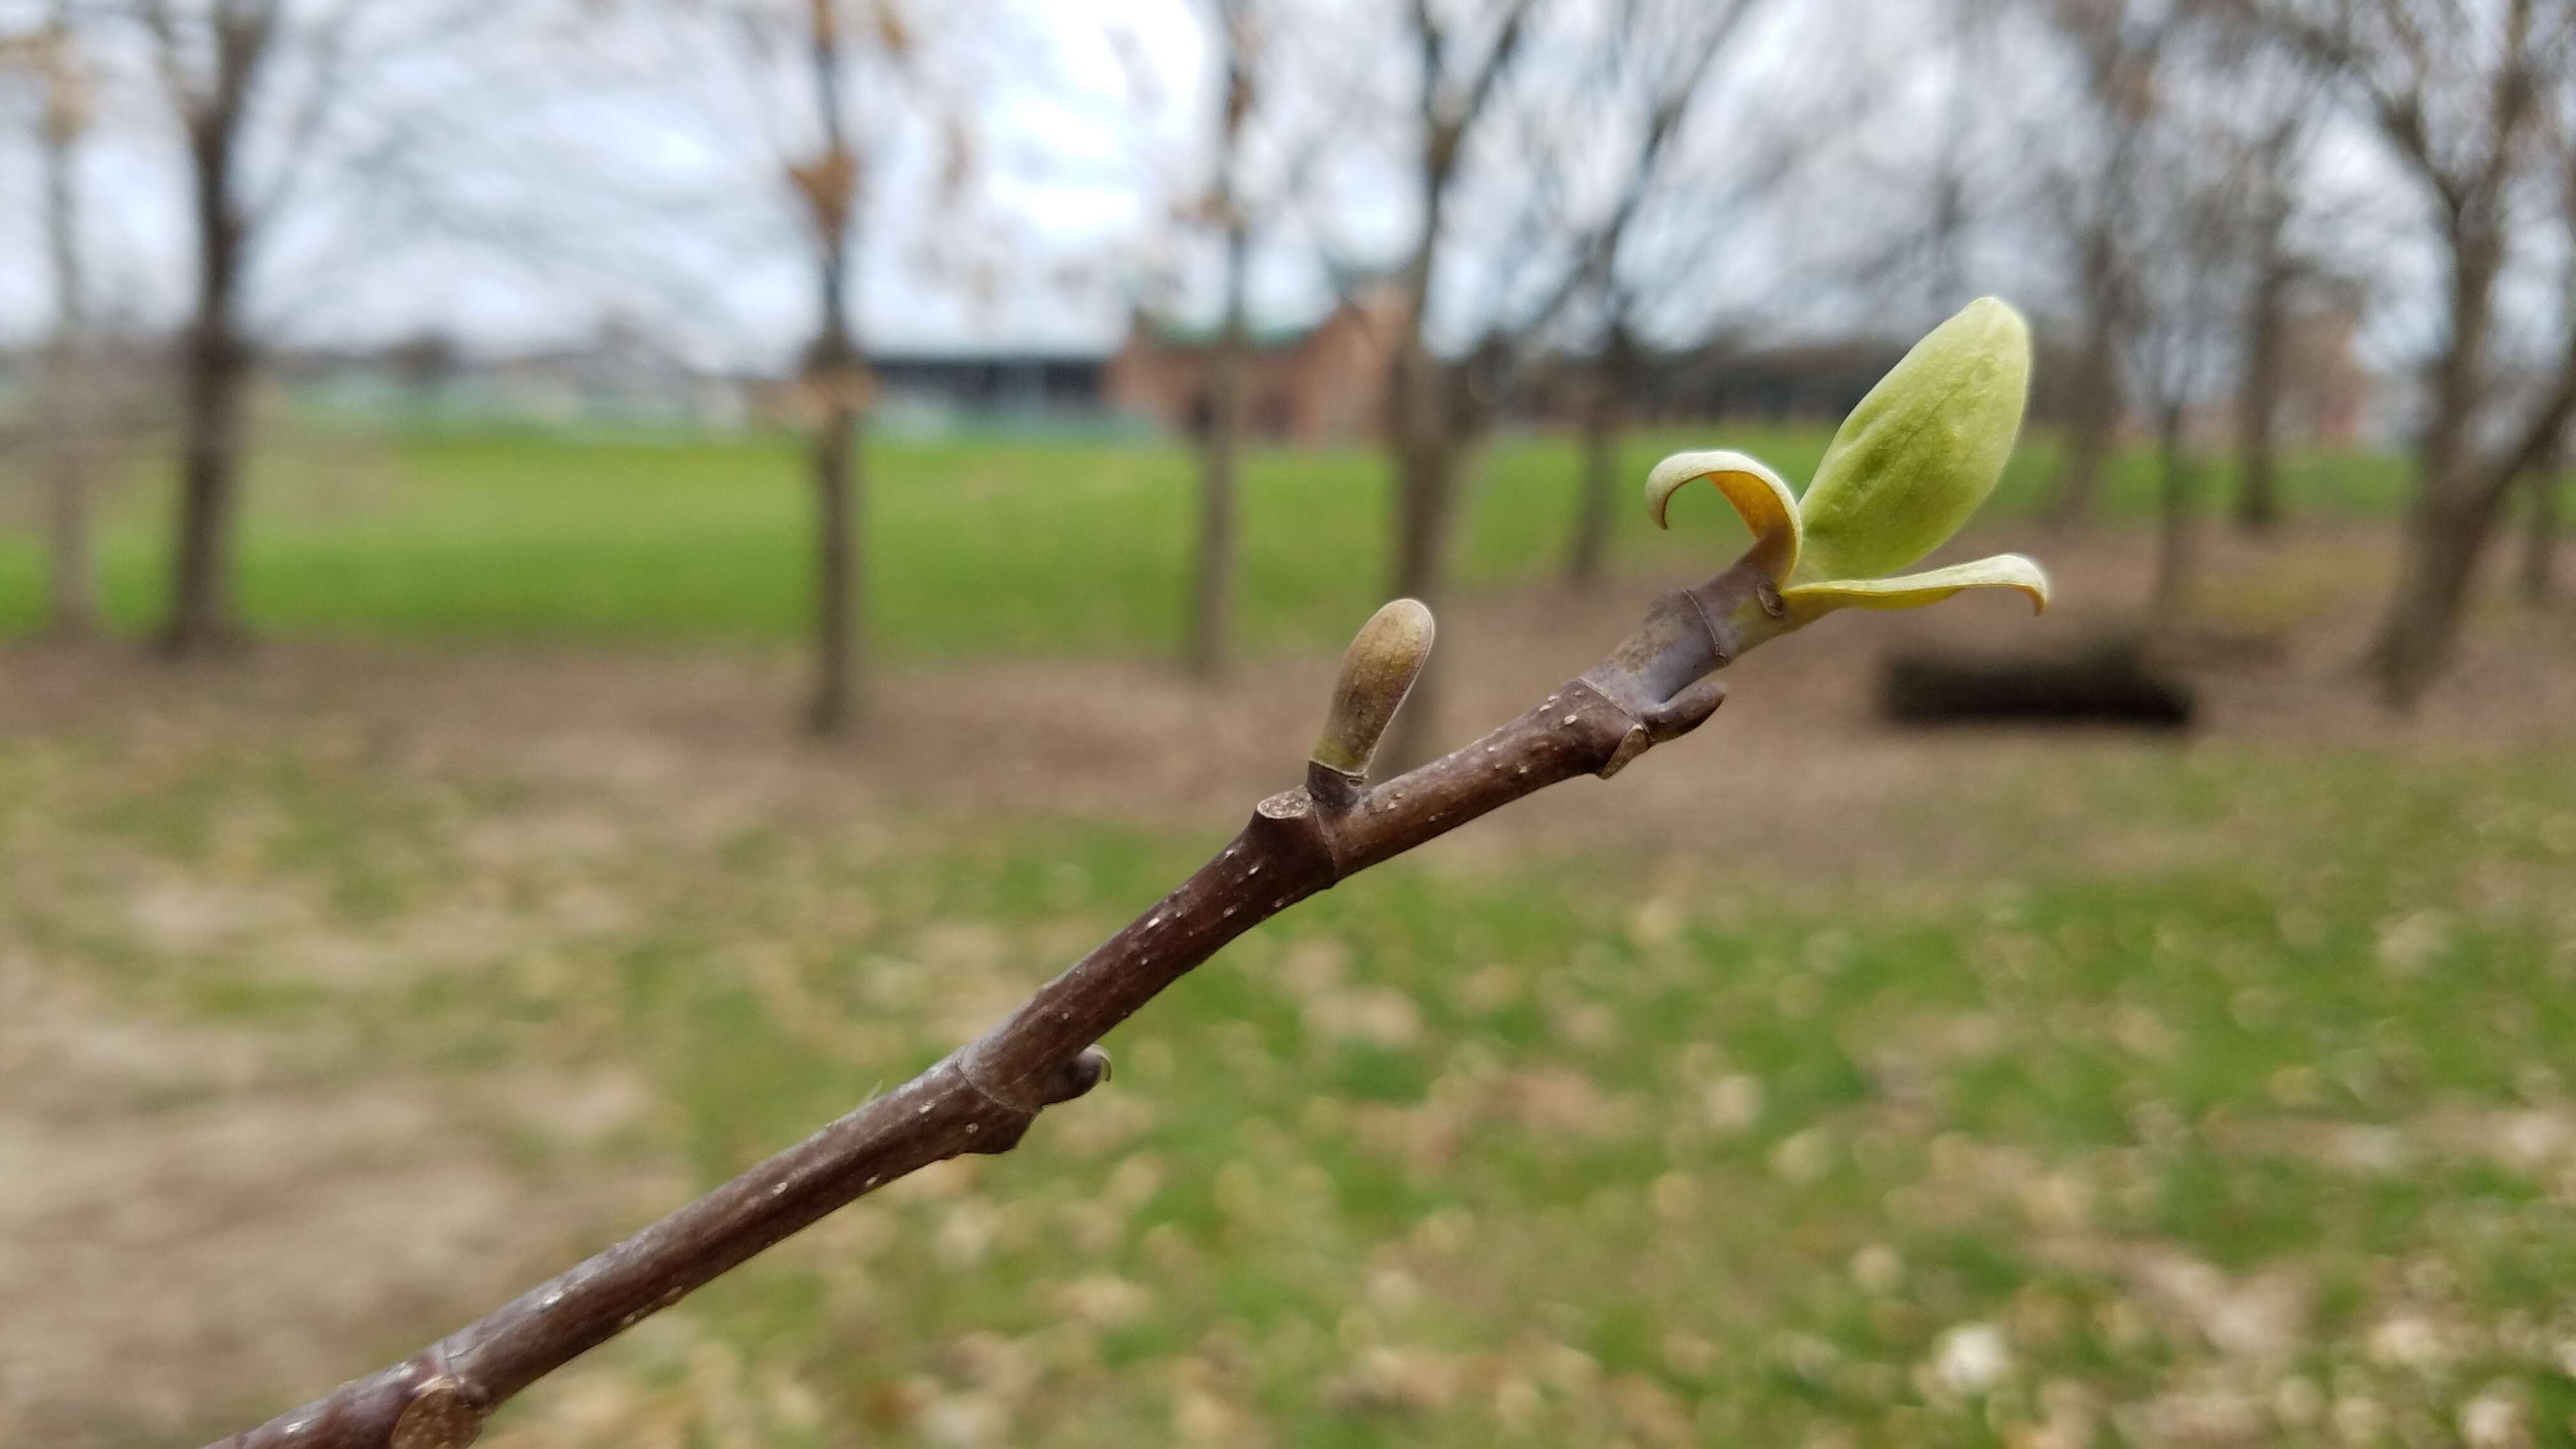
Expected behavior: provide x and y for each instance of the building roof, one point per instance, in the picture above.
(1262, 335)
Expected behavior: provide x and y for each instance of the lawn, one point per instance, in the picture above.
(1006, 547)
(2265, 1144)
(1446, 1161)
(1810, 1084)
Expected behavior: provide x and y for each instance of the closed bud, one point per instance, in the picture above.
(1922, 450)
(1377, 672)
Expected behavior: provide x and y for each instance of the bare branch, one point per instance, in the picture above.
(1667, 107)
(1653, 687)
(326, 89)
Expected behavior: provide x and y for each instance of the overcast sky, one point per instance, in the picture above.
(515, 191)
(1074, 161)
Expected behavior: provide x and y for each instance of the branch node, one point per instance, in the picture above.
(1685, 711)
(442, 1414)
(1084, 1071)
(1333, 791)
(1632, 744)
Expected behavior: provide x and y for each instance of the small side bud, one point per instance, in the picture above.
(1086, 1070)
(1377, 673)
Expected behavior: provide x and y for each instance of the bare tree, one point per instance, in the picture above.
(815, 104)
(213, 64)
(2185, 298)
(2258, 491)
(1660, 63)
(1282, 112)
(1212, 584)
(2215, 260)
(827, 179)
(298, 120)
(2269, 109)
(2473, 103)
(1463, 336)
(2117, 46)
(2183, 112)
(1612, 371)
(50, 56)
(1431, 405)
(1969, 27)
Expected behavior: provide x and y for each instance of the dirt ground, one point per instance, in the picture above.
(162, 1188)
(2271, 654)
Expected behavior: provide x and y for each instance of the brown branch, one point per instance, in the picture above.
(1653, 687)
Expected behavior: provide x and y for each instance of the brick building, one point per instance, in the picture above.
(2325, 390)
(1327, 382)
(1315, 384)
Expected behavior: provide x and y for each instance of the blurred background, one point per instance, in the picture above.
(587, 582)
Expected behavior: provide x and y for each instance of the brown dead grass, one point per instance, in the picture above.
(168, 1189)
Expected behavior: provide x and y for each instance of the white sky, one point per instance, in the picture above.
(644, 187)
(1071, 163)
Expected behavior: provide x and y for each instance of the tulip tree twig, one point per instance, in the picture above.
(1653, 687)
(1909, 465)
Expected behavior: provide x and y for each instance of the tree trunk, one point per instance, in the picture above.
(1596, 501)
(837, 642)
(1212, 587)
(215, 386)
(835, 375)
(1427, 408)
(70, 409)
(2452, 515)
(72, 583)
(1427, 466)
(2258, 501)
(2538, 575)
(2093, 424)
(2177, 543)
(2440, 558)
(1426, 502)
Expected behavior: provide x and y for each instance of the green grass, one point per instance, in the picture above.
(1000, 547)
(1375, 1241)
(1534, 1153)
(1526, 1153)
